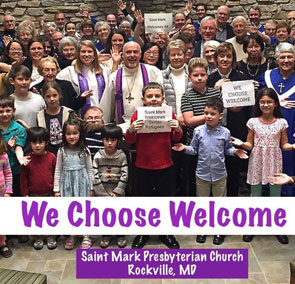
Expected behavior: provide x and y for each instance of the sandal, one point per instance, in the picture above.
(38, 244)
(5, 251)
(69, 243)
(121, 242)
(86, 243)
(51, 243)
(105, 242)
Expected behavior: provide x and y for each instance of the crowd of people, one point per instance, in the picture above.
(67, 90)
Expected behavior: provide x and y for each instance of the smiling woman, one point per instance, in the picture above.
(88, 78)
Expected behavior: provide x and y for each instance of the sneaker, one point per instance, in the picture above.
(5, 251)
(121, 242)
(69, 243)
(86, 243)
(38, 244)
(105, 242)
(23, 239)
(51, 243)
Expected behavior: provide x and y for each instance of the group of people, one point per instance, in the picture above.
(67, 90)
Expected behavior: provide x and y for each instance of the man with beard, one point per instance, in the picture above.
(126, 85)
(93, 122)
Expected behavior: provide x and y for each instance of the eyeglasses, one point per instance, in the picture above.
(149, 52)
(15, 49)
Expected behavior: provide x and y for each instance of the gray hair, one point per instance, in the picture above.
(239, 18)
(284, 47)
(68, 40)
(101, 23)
(22, 28)
(212, 43)
(131, 42)
(47, 25)
(223, 6)
(125, 22)
(206, 19)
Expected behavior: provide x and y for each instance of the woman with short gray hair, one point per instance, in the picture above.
(49, 28)
(208, 53)
(67, 50)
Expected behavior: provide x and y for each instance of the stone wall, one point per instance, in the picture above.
(98, 8)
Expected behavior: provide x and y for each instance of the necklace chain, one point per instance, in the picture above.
(249, 70)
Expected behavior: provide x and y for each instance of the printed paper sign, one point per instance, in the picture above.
(155, 119)
(238, 93)
(158, 22)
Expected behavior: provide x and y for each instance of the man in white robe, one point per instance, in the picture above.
(126, 85)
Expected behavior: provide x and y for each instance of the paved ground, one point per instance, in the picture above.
(268, 261)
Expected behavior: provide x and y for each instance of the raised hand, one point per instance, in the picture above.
(84, 13)
(179, 147)
(116, 55)
(242, 154)
(18, 62)
(132, 6)
(280, 179)
(121, 5)
(188, 8)
(136, 125)
(138, 16)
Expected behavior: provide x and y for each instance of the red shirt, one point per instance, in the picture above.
(153, 150)
(37, 177)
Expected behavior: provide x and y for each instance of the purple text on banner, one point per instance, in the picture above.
(162, 263)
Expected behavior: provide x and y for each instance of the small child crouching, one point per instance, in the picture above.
(110, 172)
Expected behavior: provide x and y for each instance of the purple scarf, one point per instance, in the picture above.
(83, 85)
(119, 91)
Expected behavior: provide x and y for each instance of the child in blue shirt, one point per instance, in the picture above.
(211, 142)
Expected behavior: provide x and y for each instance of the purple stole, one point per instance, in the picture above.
(83, 85)
(119, 91)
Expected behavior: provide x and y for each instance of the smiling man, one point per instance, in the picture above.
(9, 29)
(126, 85)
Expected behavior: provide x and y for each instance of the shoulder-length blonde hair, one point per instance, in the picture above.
(78, 65)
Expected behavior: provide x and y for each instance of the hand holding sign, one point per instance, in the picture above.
(136, 125)
(174, 124)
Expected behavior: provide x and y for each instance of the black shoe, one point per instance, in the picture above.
(283, 239)
(218, 240)
(139, 241)
(248, 238)
(201, 239)
(169, 241)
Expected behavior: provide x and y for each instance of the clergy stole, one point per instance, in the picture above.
(83, 86)
(119, 91)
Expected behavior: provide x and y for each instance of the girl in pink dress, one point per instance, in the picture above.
(266, 132)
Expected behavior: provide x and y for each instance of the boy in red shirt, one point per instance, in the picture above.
(154, 166)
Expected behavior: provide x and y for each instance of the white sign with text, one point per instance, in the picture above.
(238, 93)
(155, 119)
(158, 22)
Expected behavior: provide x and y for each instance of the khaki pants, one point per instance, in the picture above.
(204, 187)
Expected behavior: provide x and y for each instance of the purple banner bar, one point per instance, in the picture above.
(162, 263)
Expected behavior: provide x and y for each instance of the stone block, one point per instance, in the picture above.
(288, 7)
(268, 8)
(232, 3)
(18, 11)
(35, 12)
(8, 5)
(236, 9)
(28, 3)
(103, 5)
(64, 9)
(247, 2)
(48, 3)
(160, 8)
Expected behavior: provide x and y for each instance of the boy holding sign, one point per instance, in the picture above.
(154, 172)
